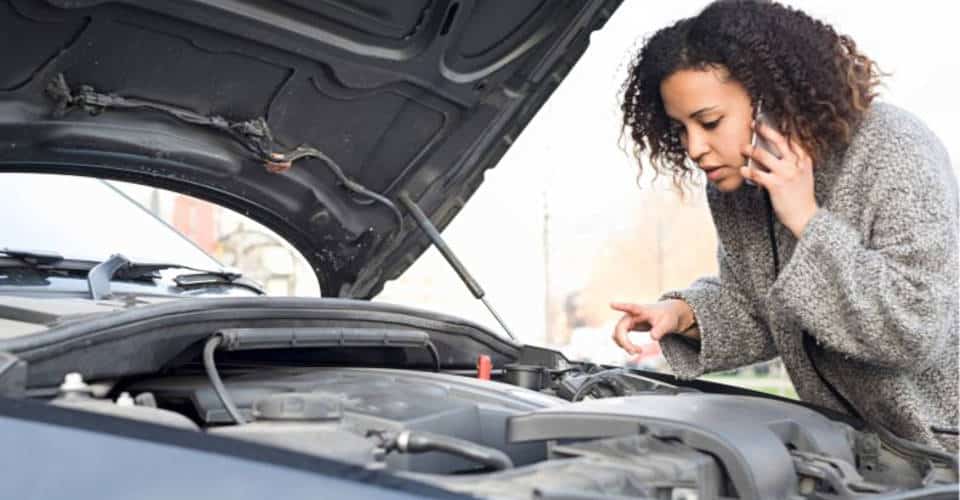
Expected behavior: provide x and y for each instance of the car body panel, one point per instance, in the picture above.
(416, 97)
(64, 453)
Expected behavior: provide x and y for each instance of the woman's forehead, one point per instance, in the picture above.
(689, 90)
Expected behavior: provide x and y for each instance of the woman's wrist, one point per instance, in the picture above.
(801, 221)
(686, 319)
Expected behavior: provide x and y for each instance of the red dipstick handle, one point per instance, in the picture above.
(484, 367)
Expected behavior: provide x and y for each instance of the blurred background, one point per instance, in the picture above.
(563, 225)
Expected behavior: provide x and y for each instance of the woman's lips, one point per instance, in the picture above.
(714, 173)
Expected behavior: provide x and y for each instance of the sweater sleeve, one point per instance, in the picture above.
(732, 332)
(885, 294)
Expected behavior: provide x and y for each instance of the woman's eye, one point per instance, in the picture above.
(711, 125)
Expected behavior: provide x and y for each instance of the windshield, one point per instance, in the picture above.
(88, 219)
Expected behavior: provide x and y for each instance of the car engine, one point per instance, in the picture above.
(577, 431)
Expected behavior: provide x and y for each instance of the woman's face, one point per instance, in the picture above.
(714, 115)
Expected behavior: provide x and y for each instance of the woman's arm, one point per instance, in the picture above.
(885, 294)
(732, 332)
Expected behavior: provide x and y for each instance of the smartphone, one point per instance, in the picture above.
(757, 140)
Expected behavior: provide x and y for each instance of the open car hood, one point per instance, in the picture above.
(311, 117)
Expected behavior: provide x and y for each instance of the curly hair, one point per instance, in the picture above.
(814, 81)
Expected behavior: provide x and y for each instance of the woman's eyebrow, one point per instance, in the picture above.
(702, 111)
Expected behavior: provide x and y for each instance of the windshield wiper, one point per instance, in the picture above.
(32, 257)
(208, 278)
(100, 274)
(41, 260)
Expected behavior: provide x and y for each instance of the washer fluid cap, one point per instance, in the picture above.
(298, 406)
(73, 382)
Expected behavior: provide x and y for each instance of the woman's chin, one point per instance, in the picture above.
(729, 183)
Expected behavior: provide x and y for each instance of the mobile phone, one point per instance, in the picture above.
(757, 140)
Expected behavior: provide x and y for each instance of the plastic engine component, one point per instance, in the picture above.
(133, 412)
(370, 399)
(623, 467)
(315, 438)
(752, 437)
(298, 406)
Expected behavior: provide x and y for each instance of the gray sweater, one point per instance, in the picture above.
(873, 278)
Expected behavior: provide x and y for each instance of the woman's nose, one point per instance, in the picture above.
(696, 145)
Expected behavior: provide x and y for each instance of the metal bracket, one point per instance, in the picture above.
(98, 279)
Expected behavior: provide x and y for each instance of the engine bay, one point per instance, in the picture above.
(420, 396)
(630, 436)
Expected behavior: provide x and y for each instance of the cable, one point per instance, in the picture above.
(435, 355)
(218, 387)
(772, 234)
(421, 442)
(254, 135)
(596, 379)
(354, 186)
(914, 449)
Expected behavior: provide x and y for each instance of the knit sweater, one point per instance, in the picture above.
(873, 279)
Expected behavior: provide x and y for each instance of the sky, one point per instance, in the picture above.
(539, 221)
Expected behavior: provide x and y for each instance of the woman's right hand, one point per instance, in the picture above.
(662, 318)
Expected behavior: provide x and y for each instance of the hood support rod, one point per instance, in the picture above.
(434, 235)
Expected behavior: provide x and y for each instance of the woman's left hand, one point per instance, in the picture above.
(789, 180)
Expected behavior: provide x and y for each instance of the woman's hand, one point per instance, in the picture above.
(789, 180)
(662, 318)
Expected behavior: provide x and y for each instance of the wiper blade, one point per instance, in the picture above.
(118, 266)
(32, 257)
(100, 274)
(208, 278)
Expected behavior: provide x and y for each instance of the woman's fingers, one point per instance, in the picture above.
(777, 139)
(620, 332)
(764, 157)
(627, 307)
(759, 177)
(803, 159)
(658, 330)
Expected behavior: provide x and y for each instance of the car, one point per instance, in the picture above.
(133, 365)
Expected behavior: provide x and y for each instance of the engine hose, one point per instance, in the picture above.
(218, 387)
(598, 378)
(421, 442)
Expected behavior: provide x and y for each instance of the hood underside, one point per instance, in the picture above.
(311, 117)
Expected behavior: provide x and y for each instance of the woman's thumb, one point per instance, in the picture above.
(658, 331)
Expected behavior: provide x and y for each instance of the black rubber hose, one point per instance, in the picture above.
(593, 380)
(421, 442)
(917, 449)
(218, 387)
(435, 355)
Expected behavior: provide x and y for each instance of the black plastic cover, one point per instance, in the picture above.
(751, 437)
(148, 338)
(242, 339)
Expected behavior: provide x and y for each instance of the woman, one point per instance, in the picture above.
(843, 260)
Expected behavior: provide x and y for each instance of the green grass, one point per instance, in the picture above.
(778, 386)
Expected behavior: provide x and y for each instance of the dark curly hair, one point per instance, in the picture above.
(813, 80)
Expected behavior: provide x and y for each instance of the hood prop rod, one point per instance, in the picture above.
(434, 235)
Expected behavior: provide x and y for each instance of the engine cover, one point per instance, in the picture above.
(751, 437)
